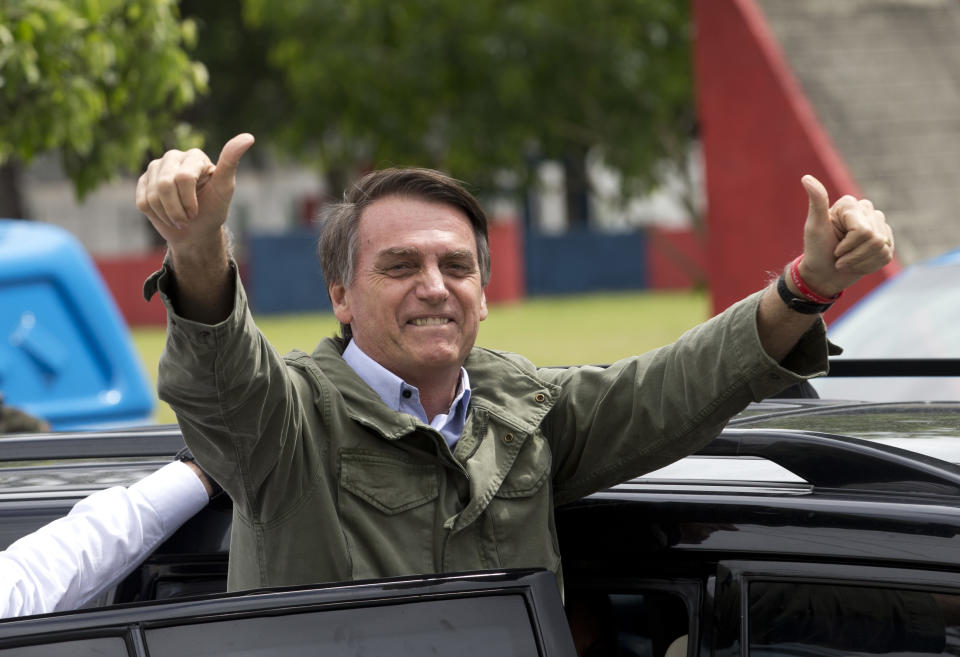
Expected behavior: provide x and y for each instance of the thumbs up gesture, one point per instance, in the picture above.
(186, 196)
(843, 242)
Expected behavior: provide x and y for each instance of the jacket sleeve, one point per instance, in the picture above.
(641, 413)
(69, 562)
(238, 406)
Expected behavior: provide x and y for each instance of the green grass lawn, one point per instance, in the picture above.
(562, 330)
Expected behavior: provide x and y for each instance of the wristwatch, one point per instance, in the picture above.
(186, 455)
(799, 304)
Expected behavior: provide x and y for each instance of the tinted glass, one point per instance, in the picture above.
(460, 627)
(102, 647)
(792, 618)
(636, 624)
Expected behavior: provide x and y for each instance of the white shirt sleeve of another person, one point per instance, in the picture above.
(69, 562)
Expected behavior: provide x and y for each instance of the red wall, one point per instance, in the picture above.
(507, 278)
(124, 276)
(676, 259)
(760, 135)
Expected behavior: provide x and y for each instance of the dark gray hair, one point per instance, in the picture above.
(338, 246)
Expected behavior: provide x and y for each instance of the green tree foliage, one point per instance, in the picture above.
(100, 81)
(475, 88)
(247, 93)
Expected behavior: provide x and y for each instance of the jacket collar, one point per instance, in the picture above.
(503, 386)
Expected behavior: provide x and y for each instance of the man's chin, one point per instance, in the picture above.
(438, 356)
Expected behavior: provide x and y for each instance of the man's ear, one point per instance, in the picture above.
(341, 306)
(483, 305)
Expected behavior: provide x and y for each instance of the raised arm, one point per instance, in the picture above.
(841, 244)
(187, 198)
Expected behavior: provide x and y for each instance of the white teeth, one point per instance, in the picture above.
(429, 321)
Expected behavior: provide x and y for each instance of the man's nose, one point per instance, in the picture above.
(432, 286)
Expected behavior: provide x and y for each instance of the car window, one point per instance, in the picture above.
(645, 623)
(461, 627)
(800, 618)
(925, 302)
(97, 647)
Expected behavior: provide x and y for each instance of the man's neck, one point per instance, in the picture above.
(436, 392)
(437, 388)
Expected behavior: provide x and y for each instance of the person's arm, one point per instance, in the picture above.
(643, 412)
(69, 562)
(841, 244)
(187, 198)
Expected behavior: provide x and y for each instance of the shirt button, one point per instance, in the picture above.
(406, 394)
(508, 437)
(540, 397)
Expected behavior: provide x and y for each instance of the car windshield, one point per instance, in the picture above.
(915, 315)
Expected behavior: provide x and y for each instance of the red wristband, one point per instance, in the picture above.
(805, 290)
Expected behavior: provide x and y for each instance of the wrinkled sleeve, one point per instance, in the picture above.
(69, 562)
(235, 400)
(641, 413)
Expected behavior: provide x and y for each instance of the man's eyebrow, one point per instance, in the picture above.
(398, 252)
(404, 252)
(458, 253)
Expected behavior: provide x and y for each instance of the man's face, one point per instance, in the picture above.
(416, 302)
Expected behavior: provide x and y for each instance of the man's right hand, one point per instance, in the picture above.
(186, 197)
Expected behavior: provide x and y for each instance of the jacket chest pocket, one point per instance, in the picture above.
(387, 512)
(521, 511)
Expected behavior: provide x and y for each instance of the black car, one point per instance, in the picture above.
(809, 527)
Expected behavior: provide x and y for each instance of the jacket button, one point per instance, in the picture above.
(540, 397)
(508, 437)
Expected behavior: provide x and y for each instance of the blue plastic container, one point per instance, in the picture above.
(65, 350)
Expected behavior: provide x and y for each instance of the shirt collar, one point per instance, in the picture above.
(390, 387)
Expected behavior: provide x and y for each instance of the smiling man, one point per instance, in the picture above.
(398, 447)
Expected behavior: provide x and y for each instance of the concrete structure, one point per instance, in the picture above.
(884, 79)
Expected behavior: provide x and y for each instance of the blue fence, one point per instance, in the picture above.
(283, 274)
(585, 261)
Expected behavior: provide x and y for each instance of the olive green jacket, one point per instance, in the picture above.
(329, 484)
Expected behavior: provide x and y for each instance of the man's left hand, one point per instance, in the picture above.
(841, 243)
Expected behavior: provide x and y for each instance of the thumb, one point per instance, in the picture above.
(230, 156)
(819, 200)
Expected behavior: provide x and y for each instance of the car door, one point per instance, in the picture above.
(769, 608)
(510, 613)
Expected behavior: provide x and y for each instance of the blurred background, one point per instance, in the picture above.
(620, 146)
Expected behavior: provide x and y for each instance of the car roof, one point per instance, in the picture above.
(796, 446)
